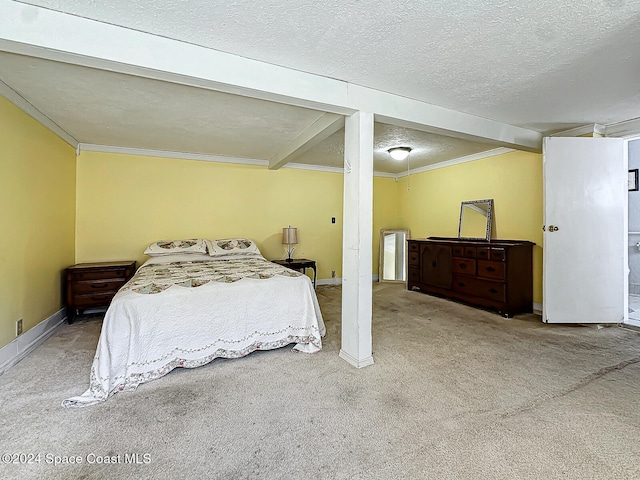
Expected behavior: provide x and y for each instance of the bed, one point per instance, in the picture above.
(194, 301)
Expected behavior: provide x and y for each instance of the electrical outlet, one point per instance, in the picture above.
(19, 328)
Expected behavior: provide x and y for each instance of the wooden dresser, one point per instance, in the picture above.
(496, 275)
(92, 285)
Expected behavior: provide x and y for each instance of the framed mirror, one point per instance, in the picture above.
(475, 220)
(393, 255)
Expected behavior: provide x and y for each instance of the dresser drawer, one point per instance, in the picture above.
(414, 258)
(470, 252)
(465, 266)
(488, 269)
(480, 288)
(414, 247)
(414, 274)
(498, 254)
(482, 253)
(100, 286)
(458, 251)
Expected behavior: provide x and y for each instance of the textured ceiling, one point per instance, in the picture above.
(547, 65)
(541, 64)
(426, 149)
(106, 108)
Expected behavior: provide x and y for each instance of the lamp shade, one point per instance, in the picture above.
(399, 153)
(289, 235)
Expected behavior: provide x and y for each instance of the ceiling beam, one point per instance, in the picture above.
(47, 34)
(408, 113)
(325, 125)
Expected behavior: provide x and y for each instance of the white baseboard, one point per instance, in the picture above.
(329, 281)
(20, 347)
(537, 308)
(338, 281)
(350, 359)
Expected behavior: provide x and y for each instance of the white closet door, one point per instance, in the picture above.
(585, 217)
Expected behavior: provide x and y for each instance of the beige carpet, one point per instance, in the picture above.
(455, 393)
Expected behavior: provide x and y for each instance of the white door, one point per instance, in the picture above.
(585, 239)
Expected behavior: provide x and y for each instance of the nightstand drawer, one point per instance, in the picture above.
(99, 274)
(96, 299)
(107, 285)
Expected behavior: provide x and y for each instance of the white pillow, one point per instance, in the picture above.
(168, 247)
(232, 246)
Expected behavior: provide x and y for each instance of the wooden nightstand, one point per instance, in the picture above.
(300, 264)
(92, 285)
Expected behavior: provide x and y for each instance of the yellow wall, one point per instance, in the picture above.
(431, 207)
(125, 202)
(37, 198)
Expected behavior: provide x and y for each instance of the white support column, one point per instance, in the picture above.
(357, 240)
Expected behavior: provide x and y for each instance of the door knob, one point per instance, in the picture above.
(553, 228)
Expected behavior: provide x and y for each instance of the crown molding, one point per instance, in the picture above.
(23, 104)
(591, 128)
(457, 161)
(386, 175)
(317, 168)
(88, 147)
(626, 129)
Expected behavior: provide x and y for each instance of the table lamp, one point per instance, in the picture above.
(289, 238)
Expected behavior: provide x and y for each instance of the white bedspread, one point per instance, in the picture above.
(146, 336)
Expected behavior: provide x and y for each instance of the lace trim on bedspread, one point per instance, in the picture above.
(131, 382)
(156, 278)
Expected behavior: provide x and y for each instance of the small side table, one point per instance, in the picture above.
(91, 285)
(300, 264)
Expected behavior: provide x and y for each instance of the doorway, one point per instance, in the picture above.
(634, 232)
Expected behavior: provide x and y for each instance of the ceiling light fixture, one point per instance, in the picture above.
(399, 153)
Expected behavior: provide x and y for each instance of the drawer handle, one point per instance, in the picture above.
(98, 285)
(99, 297)
(491, 269)
(493, 290)
(463, 265)
(460, 284)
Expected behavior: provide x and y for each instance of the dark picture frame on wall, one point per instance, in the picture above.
(633, 180)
